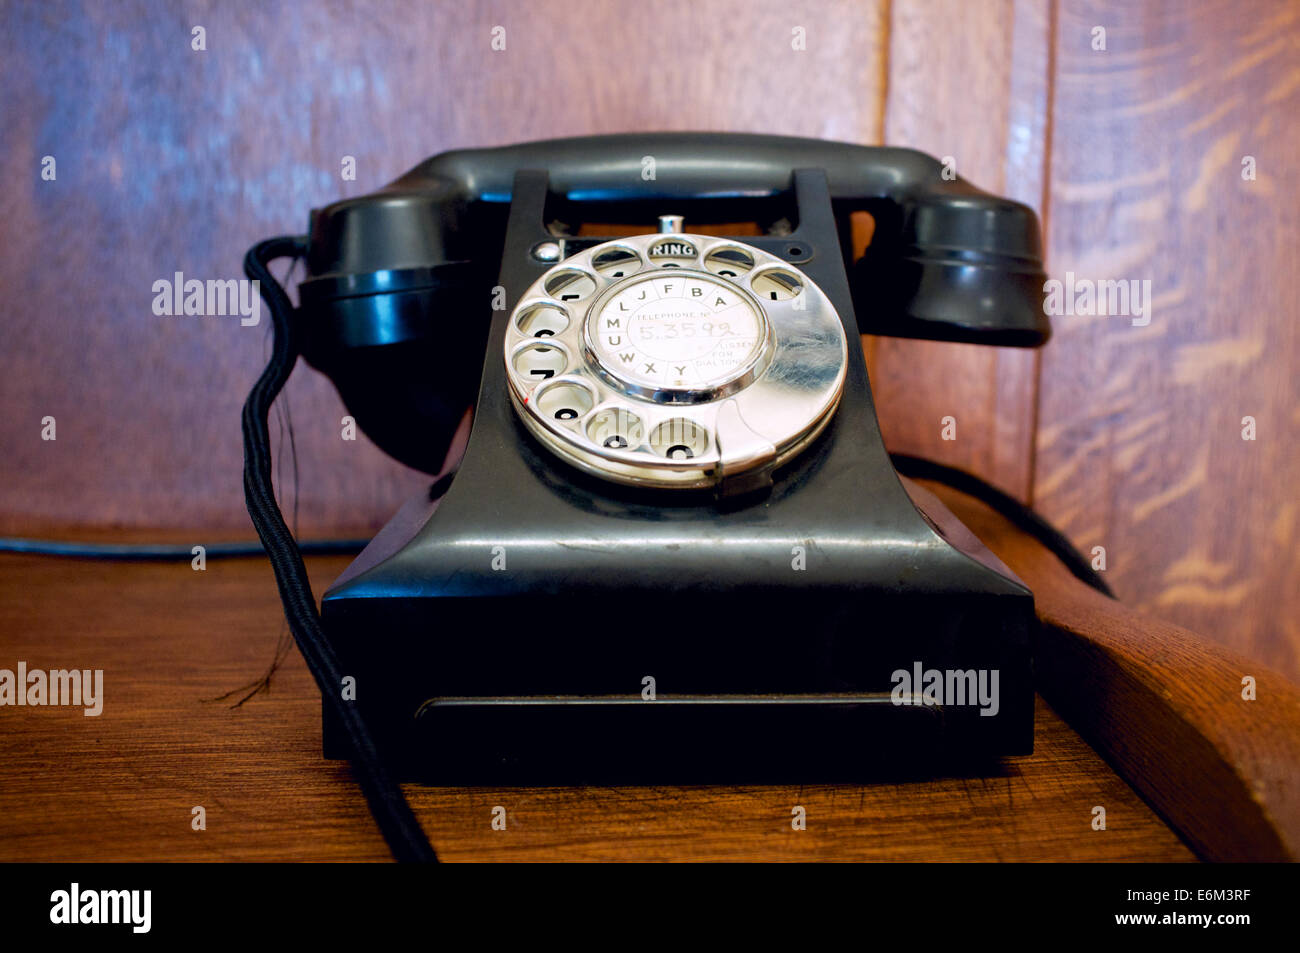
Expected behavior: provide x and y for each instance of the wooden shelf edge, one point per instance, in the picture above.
(1162, 705)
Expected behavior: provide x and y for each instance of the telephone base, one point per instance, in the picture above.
(539, 624)
(775, 678)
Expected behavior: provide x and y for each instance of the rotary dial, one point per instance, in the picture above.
(675, 360)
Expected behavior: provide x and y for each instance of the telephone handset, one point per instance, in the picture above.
(675, 546)
(393, 275)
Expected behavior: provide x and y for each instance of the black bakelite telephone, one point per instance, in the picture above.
(675, 547)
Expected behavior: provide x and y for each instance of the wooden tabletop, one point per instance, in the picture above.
(170, 640)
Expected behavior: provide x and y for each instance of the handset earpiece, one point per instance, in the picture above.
(394, 321)
(950, 262)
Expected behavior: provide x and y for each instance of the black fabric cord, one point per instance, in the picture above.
(387, 803)
(161, 552)
(919, 468)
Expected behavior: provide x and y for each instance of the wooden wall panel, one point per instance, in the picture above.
(175, 160)
(1140, 447)
(970, 81)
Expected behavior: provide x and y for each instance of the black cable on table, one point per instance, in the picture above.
(919, 468)
(160, 552)
(387, 802)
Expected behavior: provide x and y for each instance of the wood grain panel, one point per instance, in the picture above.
(122, 785)
(175, 160)
(1140, 448)
(969, 81)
